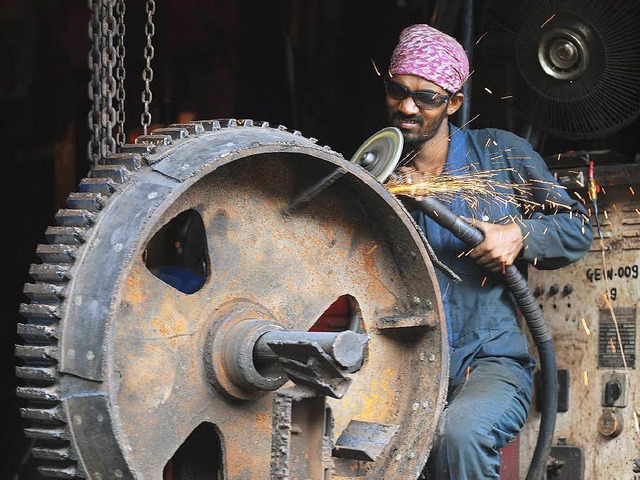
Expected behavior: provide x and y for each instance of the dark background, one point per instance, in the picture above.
(307, 65)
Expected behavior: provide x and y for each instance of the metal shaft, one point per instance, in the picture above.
(346, 348)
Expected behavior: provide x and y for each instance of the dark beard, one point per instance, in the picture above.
(416, 143)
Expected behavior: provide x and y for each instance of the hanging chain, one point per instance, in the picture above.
(95, 63)
(121, 73)
(109, 26)
(147, 72)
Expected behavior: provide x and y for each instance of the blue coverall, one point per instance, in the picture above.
(491, 367)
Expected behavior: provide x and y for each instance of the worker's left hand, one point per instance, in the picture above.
(501, 245)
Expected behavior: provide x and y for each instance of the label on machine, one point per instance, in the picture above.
(609, 352)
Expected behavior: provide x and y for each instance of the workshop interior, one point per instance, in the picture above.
(224, 138)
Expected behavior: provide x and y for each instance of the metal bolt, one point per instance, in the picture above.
(367, 159)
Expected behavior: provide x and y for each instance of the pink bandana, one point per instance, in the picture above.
(428, 53)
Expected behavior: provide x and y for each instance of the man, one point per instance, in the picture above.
(491, 366)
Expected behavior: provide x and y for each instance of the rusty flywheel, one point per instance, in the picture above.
(180, 321)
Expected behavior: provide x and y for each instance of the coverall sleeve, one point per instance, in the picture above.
(556, 228)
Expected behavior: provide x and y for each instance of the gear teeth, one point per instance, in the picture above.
(53, 416)
(45, 272)
(175, 133)
(58, 253)
(228, 123)
(143, 149)
(194, 128)
(38, 394)
(92, 202)
(43, 292)
(44, 353)
(66, 235)
(37, 374)
(261, 124)
(245, 122)
(71, 217)
(40, 314)
(58, 454)
(37, 333)
(211, 125)
(47, 434)
(103, 186)
(117, 173)
(157, 140)
(58, 472)
(133, 161)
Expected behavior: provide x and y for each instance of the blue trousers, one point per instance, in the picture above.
(483, 413)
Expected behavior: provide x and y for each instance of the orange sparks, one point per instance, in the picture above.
(488, 91)
(506, 97)
(585, 326)
(612, 345)
(484, 280)
(468, 185)
(372, 249)
(375, 68)
(637, 211)
(466, 377)
(585, 378)
(548, 20)
(481, 37)
(632, 191)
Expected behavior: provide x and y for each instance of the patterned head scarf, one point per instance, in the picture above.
(428, 53)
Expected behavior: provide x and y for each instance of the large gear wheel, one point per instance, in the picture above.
(121, 369)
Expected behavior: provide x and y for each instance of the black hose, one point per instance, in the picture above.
(532, 314)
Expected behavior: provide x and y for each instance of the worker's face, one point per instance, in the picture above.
(420, 117)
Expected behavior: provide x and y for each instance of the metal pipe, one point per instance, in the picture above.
(468, 44)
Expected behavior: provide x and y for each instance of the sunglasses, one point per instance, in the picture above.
(422, 98)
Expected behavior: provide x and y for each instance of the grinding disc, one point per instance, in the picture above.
(380, 153)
